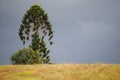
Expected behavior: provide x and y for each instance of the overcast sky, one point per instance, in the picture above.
(85, 31)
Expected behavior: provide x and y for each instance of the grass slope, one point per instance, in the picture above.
(61, 72)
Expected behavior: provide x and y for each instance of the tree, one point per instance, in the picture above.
(36, 26)
(26, 56)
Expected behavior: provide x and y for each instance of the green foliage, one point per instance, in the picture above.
(36, 26)
(35, 20)
(26, 56)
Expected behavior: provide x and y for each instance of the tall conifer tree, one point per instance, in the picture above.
(36, 26)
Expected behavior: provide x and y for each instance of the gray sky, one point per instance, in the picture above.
(85, 31)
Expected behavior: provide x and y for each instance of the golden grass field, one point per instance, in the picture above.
(61, 72)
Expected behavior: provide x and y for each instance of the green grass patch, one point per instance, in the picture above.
(26, 73)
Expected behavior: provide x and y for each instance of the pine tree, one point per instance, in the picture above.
(36, 26)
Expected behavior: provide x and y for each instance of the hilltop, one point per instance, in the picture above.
(60, 72)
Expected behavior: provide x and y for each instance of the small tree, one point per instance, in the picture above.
(35, 25)
(26, 56)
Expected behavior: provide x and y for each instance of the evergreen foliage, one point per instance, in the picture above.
(36, 26)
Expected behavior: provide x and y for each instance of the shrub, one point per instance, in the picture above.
(26, 56)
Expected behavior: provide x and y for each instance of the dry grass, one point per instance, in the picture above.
(61, 72)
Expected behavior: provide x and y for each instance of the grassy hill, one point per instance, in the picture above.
(61, 72)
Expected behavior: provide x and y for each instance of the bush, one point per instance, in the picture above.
(26, 56)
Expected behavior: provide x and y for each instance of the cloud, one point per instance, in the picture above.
(84, 30)
(88, 42)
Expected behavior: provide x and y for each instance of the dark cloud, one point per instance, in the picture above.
(86, 31)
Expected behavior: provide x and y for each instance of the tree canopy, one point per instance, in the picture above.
(26, 56)
(35, 26)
